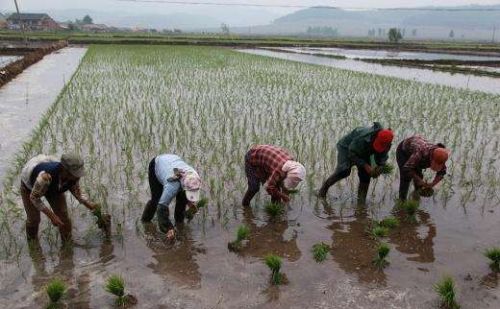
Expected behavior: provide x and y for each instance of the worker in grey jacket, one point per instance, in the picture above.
(169, 177)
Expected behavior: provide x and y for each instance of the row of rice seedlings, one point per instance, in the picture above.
(114, 284)
(112, 114)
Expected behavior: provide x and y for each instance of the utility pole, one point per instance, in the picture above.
(493, 37)
(21, 23)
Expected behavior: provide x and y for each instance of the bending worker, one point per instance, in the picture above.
(169, 177)
(415, 154)
(274, 165)
(357, 148)
(46, 176)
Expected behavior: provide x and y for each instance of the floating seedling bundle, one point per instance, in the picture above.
(274, 263)
(447, 293)
(380, 260)
(320, 251)
(55, 290)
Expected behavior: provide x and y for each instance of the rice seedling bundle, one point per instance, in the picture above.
(446, 290)
(320, 251)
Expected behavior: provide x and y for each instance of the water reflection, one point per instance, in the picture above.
(408, 238)
(270, 238)
(353, 249)
(78, 293)
(177, 261)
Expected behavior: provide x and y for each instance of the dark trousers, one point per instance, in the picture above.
(151, 208)
(405, 178)
(58, 204)
(341, 173)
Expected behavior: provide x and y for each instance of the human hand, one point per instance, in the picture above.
(285, 198)
(56, 221)
(171, 234)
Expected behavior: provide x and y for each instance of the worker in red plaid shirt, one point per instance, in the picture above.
(274, 165)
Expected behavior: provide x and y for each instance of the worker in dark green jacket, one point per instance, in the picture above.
(356, 149)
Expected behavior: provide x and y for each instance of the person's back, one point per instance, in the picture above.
(165, 165)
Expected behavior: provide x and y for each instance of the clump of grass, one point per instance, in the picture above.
(380, 231)
(494, 255)
(410, 207)
(382, 252)
(55, 290)
(387, 169)
(274, 263)
(389, 222)
(426, 192)
(203, 202)
(242, 233)
(103, 220)
(320, 251)
(446, 291)
(274, 209)
(116, 286)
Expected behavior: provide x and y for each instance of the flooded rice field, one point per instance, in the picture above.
(126, 104)
(24, 100)
(386, 54)
(6, 60)
(464, 81)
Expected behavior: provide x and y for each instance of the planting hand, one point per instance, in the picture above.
(171, 234)
(92, 206)
(55, 220)
(285, 198)
(375, 172)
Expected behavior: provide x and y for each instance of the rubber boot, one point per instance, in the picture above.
(363, 192)
(149, 212)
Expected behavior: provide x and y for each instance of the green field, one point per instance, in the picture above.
(126, 104)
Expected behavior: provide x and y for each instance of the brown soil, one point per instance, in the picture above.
(12, 70)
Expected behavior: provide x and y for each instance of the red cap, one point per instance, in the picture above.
(438, 159)
(383, 140)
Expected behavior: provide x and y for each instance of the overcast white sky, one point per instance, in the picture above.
(111, 5)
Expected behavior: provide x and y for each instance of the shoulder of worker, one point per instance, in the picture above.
(43, 178)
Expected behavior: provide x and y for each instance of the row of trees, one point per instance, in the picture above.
(323, 31)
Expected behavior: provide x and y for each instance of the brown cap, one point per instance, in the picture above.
(439, 158)
(73, 163)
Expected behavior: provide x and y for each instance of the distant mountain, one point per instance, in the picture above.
(195, 18)
(444, 17)
(438, 23)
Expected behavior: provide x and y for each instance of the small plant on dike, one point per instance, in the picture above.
(494, 255)
(389, 222)
(446, 291)
(242, 233)
(382, 253)
(274, 209)
(410, 207)
(380, 231)
(274, 263)
(320, 251)
(55, 290)
(116, 286)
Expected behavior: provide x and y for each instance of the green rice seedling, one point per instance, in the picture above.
(387, 169)
(410, 207)
(446, 291)
(494, 255)
(274, 263)
(55, 290)
(382, 252)
(203, 202)
(103, 220)
(116, 286)
(274, 209)
(380, 231)
(293, 191)
(389, 222)
(242, 233)
(320, 251)
(426, 192)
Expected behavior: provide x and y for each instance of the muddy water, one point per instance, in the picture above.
(24, 100)
(388, 54)
(198, 271)
(485, 84)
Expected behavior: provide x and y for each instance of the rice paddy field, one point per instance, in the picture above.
(126, 104)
